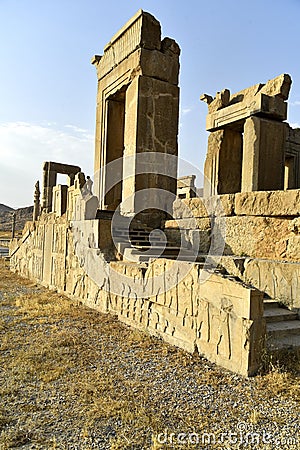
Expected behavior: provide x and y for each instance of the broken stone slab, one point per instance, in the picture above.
(264, 99)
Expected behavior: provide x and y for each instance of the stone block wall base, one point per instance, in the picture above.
(219, 317)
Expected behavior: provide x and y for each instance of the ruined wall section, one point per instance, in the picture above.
(258, 224)
(246, 146)
(219, 317)
(261, 231)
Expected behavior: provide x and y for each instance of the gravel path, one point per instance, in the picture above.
(72, 378)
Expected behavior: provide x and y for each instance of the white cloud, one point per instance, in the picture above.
(185, 111)
(295, 125)
(25, 146)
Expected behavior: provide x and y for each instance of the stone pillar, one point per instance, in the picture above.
(13, 225)
(49, 181)
(36, 202)
(60, 194)
(223, 164)
(263, 155)
(150, 136)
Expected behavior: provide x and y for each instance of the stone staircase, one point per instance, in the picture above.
(283, 326)
(139, 243)
(142, 243)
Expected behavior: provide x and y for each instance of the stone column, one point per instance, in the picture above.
(49, 181)
(36, 202)
(263, 155)
(13, 225)
(151, 126)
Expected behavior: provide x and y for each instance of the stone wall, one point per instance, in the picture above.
(261, 230)
(256, 224)
(183, 303)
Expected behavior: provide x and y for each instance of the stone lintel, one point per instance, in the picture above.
(186, 181)
(162, 65)
(141, 31)
(60, 168)
(262, 105)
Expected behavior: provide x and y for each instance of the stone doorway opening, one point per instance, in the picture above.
(115, 126)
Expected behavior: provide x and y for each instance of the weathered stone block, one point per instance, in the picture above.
(192, 207)
(264, 203)
(217, 205)
(164, 67)
(220, 205)
(196, 223)
(252, 236)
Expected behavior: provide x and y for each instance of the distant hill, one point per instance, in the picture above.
(22, 216)
(4, 208)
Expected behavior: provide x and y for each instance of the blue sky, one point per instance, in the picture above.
(48, 86)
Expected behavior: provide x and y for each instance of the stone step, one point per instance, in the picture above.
(276, 314)
(137, 241)
(4, 252)
(288, 342)
(126, 232)
(122, 222)
(133, 254)
(270, 303)
(283, 329)
(156, 250)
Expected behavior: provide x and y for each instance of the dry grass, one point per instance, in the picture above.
(7, 234)
(71, 376)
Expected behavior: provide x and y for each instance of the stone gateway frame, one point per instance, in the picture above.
(137, 110)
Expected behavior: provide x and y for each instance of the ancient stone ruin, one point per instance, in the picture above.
(248, 140)
(217, 274)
